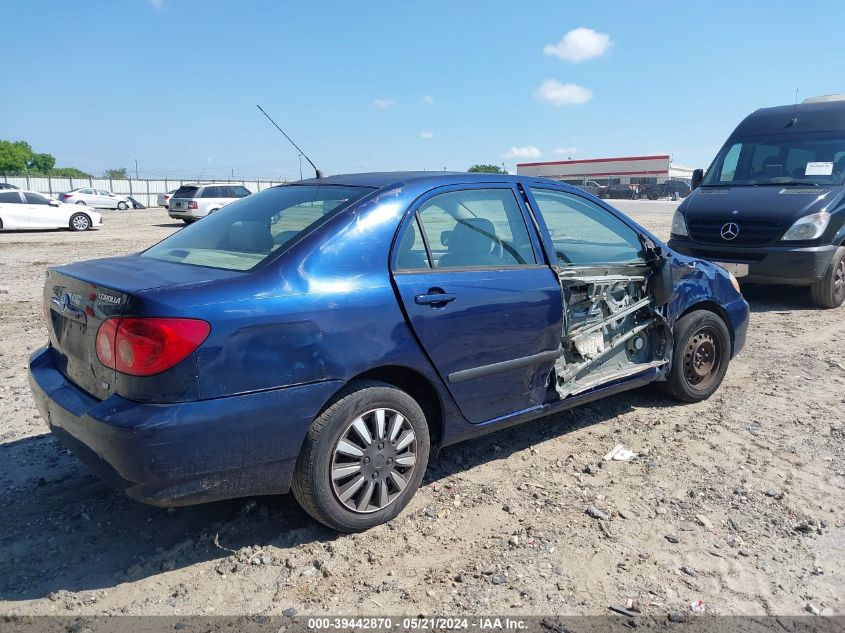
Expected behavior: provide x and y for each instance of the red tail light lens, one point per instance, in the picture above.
(146, 346)
(193, 205)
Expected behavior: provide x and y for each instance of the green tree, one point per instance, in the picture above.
(41, 163)
(69, 172)
(14, 155)
(487, 169)
(118, 173)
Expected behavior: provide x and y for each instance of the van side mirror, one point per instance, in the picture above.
(697, 177)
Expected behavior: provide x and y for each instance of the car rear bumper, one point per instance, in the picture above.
(790, 265)
(182, 453)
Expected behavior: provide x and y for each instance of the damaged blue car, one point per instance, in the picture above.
(330, 335)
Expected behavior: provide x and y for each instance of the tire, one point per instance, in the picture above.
(79, 222)
(122, 206)
(700, 358)
(829, 292)
(82, 202)
(320, 493)
(188, 220)
(653, 195)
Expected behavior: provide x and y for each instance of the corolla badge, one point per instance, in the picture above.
(729, 231)
(102, 296)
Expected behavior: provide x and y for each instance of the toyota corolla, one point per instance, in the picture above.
(329, 336)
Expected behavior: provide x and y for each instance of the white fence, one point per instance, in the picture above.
(143, 190)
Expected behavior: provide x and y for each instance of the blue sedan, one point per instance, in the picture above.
(329, 336)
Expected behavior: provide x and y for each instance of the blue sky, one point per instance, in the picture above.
(367, 86)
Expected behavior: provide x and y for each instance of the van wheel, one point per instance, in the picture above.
(829, 292)
(363, 458)
(79, 222)
(700, 357)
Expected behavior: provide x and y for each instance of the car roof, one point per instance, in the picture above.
(209, 184)
(381, 179)
(828, 116)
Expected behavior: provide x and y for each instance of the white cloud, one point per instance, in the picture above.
(428, 100)
(158, 5)
(382, 104)
(579, 45)
(426, 134)
(558, 94)
(528, 151)
(565, 150)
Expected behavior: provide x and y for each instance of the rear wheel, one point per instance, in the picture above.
(829, 292)
(82, 202)
(653, 195)
(79, 222)
(363, 458)
(702, 351)
(188, 220)
(122, 206)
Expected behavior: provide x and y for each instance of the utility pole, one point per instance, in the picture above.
(136, 169)
(300, 166)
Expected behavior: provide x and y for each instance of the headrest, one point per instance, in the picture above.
(250, 237)
(473, 235)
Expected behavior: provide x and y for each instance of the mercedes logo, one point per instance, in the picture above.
(729, 231)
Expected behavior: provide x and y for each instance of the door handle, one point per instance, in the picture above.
(435, 299)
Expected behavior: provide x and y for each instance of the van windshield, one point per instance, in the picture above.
(780, 159)
(249, 231)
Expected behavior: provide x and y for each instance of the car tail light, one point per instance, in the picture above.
(67, 195)
(193, 205)
(145, 346)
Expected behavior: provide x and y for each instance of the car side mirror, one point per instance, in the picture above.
(660, 284)
(697, 177)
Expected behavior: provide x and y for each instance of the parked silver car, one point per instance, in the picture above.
(195, 201)
(164, 198)
(98, 198)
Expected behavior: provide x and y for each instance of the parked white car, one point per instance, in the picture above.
(164, 198)
(97, 198)
(20, 209)
(195, 201)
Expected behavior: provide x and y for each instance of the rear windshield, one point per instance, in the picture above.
(186, 192)
(249, 231)
(780, 159)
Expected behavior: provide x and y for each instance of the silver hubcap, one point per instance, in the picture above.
(80, 222)
(373, 460)
(839, 277)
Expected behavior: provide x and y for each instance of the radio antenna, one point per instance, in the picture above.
(290, 140)
(795, 109)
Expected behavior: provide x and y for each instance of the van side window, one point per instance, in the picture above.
(730, 163)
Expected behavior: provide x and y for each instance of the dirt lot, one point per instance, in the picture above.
(737, 501)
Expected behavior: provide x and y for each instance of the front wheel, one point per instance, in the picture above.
(829, 292)
(702, 351)
(363, 458)
(122, 206)
(79, 222)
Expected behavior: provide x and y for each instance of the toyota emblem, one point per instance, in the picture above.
(729, 231)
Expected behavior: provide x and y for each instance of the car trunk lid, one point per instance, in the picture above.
(75, 311)
(79, 297)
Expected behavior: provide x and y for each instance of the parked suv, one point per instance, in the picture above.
(665, 190)
(192, 202)
(771, 207)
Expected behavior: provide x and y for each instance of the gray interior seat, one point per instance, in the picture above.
(471, 244)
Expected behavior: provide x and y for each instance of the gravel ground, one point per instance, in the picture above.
(736, 501)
